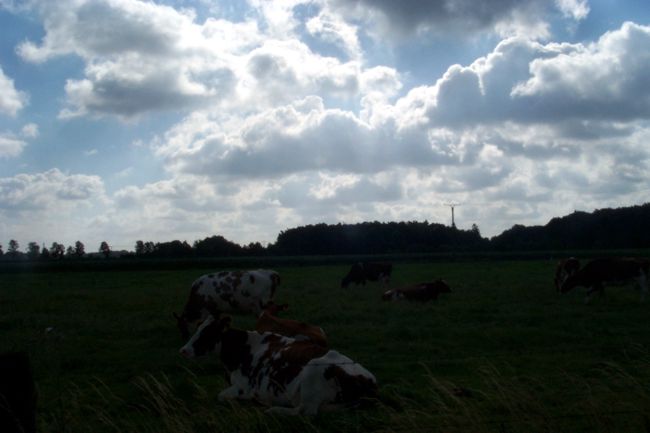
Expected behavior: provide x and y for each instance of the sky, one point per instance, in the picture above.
(125, 120)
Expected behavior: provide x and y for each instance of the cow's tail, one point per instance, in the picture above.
(356, 390)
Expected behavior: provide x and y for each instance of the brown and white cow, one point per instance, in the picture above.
(290, 376)
(367, 271)
(268, 321)
(418, 292)
(598, 272)
(232, 291)
(564, 269)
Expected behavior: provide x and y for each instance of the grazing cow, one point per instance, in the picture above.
(290, 376)
(598, 272)
(243, 291)
(268, 321)
(418, 292)
(362, 271)
(565, 268)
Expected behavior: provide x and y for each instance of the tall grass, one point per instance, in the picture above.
(612, 400)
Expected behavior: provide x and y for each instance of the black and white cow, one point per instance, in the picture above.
(598, 272)
(227, 291)
(291, 377)
(417, 292)
(564, 269)
(370, 271)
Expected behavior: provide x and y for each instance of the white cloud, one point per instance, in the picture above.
(11, 146)
(30, 130)
(576, 9)
(11, 100)
(331, 28)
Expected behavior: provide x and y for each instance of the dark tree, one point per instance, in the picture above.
(79, 249)
(69, 252)
(57, 250)
(13, 248)
(33, 250)
(2, 253)
(45, 253)
(139, 248)
(105, 249)
(149, 247)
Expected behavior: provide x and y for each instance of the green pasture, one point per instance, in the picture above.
(502, 353)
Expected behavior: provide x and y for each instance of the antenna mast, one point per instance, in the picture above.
(452, 205)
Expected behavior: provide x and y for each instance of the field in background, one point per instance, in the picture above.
(502, 353)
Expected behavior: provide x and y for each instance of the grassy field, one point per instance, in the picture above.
(502, 353)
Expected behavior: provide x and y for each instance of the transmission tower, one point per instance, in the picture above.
(452, 206)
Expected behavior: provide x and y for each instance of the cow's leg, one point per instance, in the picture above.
(597, 287)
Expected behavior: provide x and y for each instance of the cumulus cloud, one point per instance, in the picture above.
(48, 190)
(163, 59)
(459, 17)
(11, 100)
(159, 59)
(10, 146)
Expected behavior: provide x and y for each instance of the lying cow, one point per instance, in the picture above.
(234, 291)
(362, 271)
(291, 377)
(564, 269)
(418, 292)
(598, 272)
(268, 321)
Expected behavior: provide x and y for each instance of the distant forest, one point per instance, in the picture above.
(620, 228)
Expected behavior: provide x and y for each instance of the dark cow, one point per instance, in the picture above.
(418, 292)
(564, 269)
(234, 291)
(599, 272)
(291, 377)
(268, 321)
(367, 271)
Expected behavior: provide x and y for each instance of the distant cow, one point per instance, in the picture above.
(598, 272)
(291, 377)
(418, 292)
(235, 291)
(268, 321)
(362, 271)
(564, 269)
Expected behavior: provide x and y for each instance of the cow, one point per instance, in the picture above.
(602, 271)
(232, 291)
(564, 269)
(268, 321)
(362, 271)
(289, 376)
(418, 292)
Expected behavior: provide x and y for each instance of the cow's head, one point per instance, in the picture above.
(207, 338)
(273, 309)
(183, 326)
(565, 268)
(354, 276)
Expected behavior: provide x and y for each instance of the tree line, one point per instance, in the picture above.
(602, 229)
